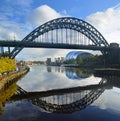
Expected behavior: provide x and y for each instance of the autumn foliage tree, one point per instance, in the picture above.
(7, 64)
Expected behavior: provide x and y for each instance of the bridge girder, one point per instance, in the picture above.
(65, 23)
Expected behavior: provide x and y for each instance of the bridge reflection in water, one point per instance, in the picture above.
(66, 100)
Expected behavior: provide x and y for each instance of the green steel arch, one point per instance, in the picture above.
(65, 23)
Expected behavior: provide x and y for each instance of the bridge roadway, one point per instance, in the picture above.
(31, 44)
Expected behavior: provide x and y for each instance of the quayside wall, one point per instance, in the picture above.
(11, 78)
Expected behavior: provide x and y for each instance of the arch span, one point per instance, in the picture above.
(64, 23)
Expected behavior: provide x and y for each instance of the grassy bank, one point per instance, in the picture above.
(10, 79)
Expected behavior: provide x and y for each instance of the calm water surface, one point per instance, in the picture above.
(81, 96)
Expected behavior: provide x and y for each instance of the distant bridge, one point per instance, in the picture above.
(62, 33)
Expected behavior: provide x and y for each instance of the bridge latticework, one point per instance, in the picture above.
(67, 31)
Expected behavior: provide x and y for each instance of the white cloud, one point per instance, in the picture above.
(43, 14)
(7, 35)
(108, 23)
(12, 19)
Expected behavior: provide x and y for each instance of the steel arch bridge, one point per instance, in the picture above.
(63, 32)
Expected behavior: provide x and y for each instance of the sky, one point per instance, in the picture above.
(19, 17)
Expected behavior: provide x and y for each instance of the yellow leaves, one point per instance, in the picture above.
(7, 64)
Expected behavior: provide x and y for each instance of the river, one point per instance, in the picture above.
(58, 93)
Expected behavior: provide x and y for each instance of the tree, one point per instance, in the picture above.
(79, 61)
(7, 64)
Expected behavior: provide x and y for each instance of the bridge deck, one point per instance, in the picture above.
(54, 45)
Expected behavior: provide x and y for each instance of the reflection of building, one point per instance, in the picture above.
(73, 73)
(55, 69)
(49, 69)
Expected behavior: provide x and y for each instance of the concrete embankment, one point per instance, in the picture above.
(11, 78)
(107, 72)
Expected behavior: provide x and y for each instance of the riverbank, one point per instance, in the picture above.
(11, 78)
(107, 72)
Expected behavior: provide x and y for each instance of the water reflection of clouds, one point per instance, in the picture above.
(109, 100)
(40, 79)
(21, 111)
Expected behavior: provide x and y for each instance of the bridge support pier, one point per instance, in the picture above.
(8, 50)
(113, 56)
(1, 51)
(5, 52)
